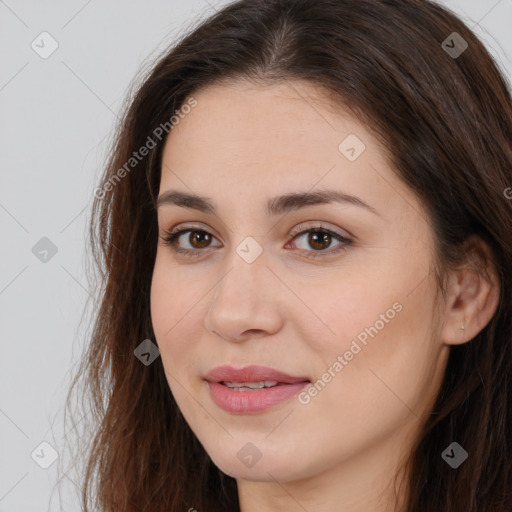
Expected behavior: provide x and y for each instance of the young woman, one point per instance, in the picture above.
(304, 235)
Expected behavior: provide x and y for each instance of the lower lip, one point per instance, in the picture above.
(242, 402)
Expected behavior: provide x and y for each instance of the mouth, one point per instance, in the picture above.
(252, 389)
(251, 386)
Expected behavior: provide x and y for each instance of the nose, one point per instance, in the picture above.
(248, 302)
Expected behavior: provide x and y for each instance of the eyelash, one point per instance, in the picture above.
(170, 237)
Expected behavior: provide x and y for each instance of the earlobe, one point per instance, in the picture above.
(472, 296)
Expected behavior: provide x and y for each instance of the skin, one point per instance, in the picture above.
(241, 145)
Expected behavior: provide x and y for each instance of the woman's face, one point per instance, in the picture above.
(350, 321)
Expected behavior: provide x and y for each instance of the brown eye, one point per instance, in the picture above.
(197, 240)
(201, 238)
(319, 240)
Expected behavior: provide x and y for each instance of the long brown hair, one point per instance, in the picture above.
(446, 120)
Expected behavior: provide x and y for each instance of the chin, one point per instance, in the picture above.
(267, 469)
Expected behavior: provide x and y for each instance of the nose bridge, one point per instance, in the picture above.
(244, 298)
(242, 283)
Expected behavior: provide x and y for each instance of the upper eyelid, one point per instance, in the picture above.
(319, 225)
(297, 231)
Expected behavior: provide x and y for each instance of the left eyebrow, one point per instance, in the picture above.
(275, 206)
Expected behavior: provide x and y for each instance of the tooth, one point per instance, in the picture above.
(251, 385)
(254, 385)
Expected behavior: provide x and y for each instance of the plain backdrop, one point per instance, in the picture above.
(57, 114)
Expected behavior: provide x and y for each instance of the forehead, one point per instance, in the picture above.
(292, 112)
(281, 128)
(250, 141)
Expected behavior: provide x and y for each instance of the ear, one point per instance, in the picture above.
(473, 293)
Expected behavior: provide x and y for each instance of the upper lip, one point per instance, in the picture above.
(253, 373)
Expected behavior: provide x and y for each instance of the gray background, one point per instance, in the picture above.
(57, 115)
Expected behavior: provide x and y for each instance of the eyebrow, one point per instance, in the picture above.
(275, 206)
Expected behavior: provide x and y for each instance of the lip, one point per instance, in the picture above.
(253, 373)
(244, 402)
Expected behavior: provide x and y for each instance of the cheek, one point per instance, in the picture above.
(170, 296)
(176, 326)
(387, 296)
(389, 358)
(177, 305)
(376, 323)
(346, 308)
(161, 302)
(168, 309)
